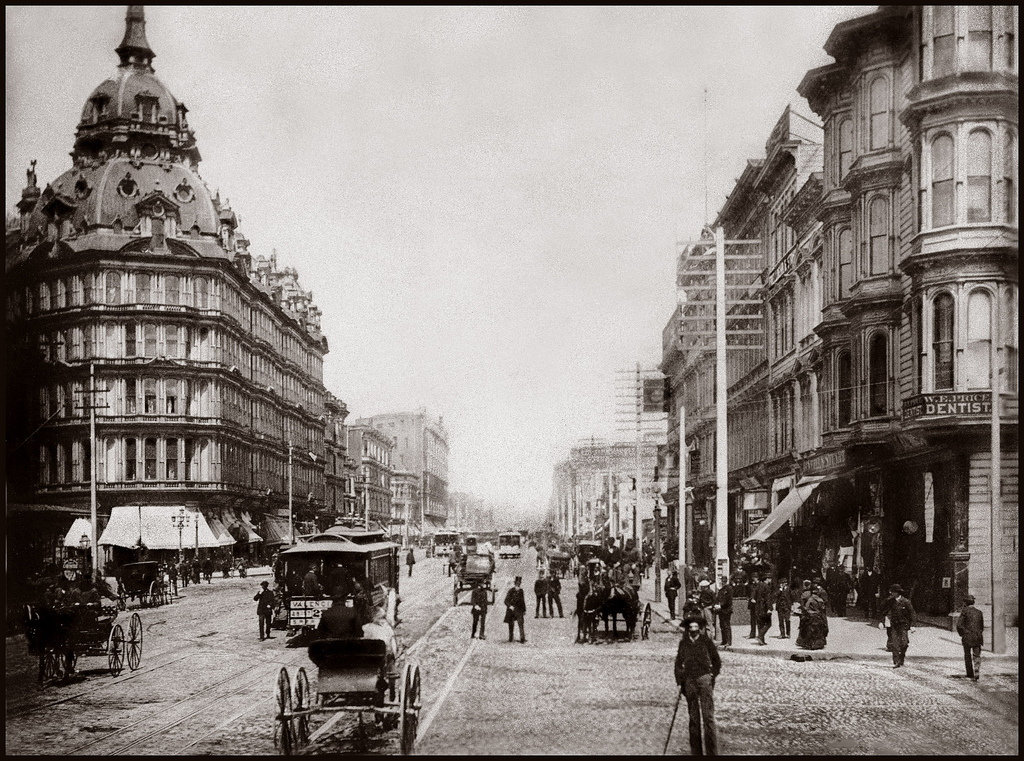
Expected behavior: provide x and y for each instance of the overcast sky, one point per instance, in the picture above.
(485, 202)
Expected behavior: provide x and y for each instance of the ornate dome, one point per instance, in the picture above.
(133, 149)
(133, 114)
(109, 194)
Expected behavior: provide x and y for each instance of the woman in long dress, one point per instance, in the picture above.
(816, 632)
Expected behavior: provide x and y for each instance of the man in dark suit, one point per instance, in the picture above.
(554, 594)
(479, 600)
(867, 592)
(900, 614)
(971, 628)
(515, 609)
(697, 666)
(765, 596)
(755, 583)
(672, 585)
(723, 604)
(540, 591)
(264, 600)
(784, 608)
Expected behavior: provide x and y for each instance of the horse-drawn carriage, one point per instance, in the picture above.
(60, 636)
(608, 595)
(358, 672)
(559, 561)
(143, 582)
(476, 568)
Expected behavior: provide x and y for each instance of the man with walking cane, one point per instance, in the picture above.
(697, 667)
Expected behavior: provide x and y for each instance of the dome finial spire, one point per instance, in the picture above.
(134, 48)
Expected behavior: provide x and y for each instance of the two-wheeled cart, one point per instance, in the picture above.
(354, 676)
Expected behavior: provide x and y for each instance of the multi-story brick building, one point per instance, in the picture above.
(890, 305)
(375, 450)
(208, 367)
(340, 497)
(592, 490)
(421, 452)
(919, 218)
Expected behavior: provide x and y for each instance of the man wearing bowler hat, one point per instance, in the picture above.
(899, 620)
(971, 628)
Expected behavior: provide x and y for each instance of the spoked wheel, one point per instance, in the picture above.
(284, 735)
(645, 624)
(134, 642)
(410, 716)
(115, 650)
(303, 700)
(154, 594)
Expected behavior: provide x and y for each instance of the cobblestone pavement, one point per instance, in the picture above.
(206, 687)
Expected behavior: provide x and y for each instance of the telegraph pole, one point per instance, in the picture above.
(721, 416)
(684, 455)
(639, 414)
(995, 490)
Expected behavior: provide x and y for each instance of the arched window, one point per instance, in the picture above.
(1008, 34)
(62, 295)
(879, 97)
(943, 41)
(844, 383)
(918, 329)
(845, 262)
(113, 288)
(878, 220)
(942, 342)
(979, 176)
(979, 339)
(845, 147)
(878, 375)
(149, 396)
(1009, 181)
(942, 180)
(979, 37)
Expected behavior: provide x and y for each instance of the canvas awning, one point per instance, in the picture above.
(275, 530)
(74, 536)
(153, 524)
(786, 509)
(244, 533)
(220, 531)
(432, 521)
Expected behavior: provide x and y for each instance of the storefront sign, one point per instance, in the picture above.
(825, 462)
(963, 403)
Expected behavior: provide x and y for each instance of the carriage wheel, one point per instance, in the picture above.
(303, 700)
(154, 594)
(284, 735)
(645, 624)
(48, 665)
(134, 642)
(410, 707)
(115, 650)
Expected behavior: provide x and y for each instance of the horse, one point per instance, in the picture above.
(587, 611)
(621, 600)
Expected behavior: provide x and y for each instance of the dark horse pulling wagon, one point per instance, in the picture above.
(59, 636)
(609, 597)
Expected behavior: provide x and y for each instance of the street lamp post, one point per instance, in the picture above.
(657, 549)
(179, 521)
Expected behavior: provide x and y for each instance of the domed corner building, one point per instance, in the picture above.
(208, 365)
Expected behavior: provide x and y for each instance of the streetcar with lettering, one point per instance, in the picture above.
(359, 672)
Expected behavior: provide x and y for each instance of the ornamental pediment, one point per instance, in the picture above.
(157, 205)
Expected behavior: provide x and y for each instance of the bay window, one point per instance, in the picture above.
(979, 340)
(942, 342)
(979, 176)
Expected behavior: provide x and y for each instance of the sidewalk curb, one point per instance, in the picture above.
(832, 655)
